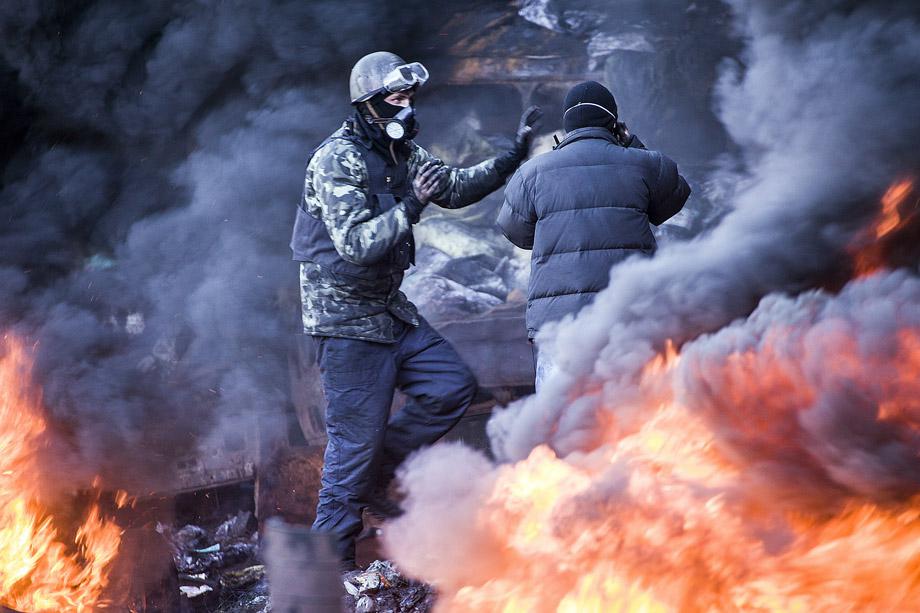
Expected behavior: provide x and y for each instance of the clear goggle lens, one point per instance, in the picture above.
(404, 77)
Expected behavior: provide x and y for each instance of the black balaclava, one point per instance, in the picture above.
(589, 104)
(371, 131)
(385, 110)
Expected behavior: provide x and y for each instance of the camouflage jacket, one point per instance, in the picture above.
(336, 192)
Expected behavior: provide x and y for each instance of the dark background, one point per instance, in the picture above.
(152, 154)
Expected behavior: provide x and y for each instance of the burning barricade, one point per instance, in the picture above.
(48, 562)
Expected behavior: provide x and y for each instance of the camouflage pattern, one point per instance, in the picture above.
(352, 308)
(335, 191)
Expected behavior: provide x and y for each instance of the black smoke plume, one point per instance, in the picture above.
(151, 158)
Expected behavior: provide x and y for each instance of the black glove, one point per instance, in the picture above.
(625, 138)
(429, 181)
(414, 208)
(530, 119)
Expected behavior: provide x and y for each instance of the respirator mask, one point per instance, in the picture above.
(397, 122)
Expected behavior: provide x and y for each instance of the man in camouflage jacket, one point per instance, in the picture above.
(365, 187)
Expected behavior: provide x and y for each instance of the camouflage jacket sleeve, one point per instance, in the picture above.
(466, 186)
(336, 192)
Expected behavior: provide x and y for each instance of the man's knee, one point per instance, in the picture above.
(460, 392)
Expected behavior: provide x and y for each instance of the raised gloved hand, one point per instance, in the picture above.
(626, 138)
(428, 182)
(530, 119)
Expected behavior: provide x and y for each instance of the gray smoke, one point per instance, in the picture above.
(812, 400)
(821, 108)
(817, 391)
(152, 159)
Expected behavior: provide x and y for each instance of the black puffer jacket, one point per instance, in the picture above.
(583, 208)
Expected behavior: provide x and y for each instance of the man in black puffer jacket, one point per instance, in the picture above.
(586, 206)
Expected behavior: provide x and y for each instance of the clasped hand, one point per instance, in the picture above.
(430, 180)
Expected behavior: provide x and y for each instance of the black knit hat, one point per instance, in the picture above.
(589, 104)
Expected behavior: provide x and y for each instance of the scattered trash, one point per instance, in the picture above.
(190, 591)
(220, 570)
(234, 528)
(236, 579)
(365, 604)
(218, 566)
(382, 588)
(188, 537)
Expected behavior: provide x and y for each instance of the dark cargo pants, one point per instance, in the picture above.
(365, 445)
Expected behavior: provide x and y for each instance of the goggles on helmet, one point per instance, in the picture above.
(405, 77)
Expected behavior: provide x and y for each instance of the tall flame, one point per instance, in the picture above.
(869, 256)
(39, 571)
(668, 514)
(891, 217)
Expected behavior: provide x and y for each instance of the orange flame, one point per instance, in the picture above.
(870, 257)
(891, 216)
(663, 361)
(124, 499)
(675, 528)
(38, 571)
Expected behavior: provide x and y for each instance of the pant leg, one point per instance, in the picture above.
(440, 388)
(545, 367)
(358, 380)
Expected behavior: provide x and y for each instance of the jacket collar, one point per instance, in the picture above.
(355, 128)
(589, 132)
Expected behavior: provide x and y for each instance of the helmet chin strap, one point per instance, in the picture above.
(375, 116)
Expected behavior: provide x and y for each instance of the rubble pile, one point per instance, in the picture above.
(219, 569)
(446, 287)
(382, 589)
